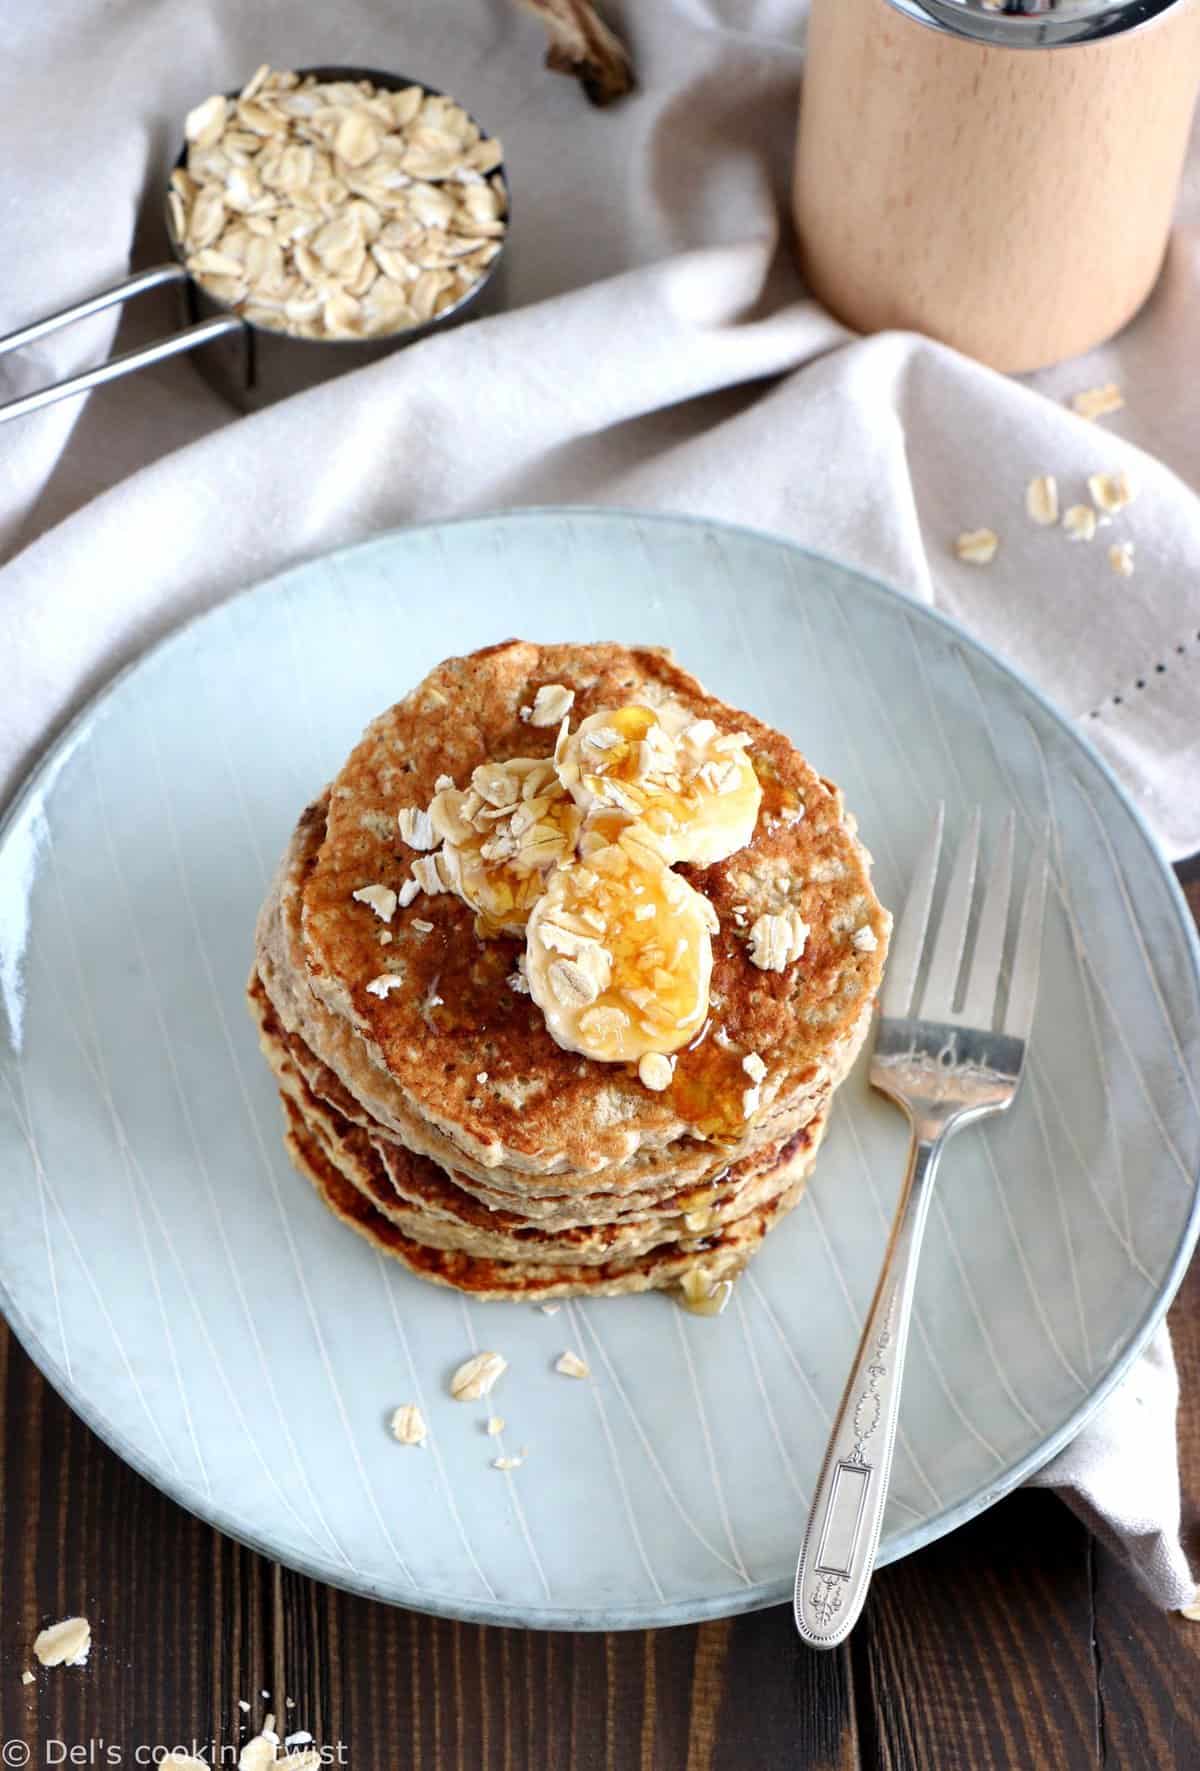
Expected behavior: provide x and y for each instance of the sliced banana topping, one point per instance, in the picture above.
(501, 836)
(619, 953)
(691, 786)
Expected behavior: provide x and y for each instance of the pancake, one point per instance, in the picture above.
(289, 1057)
(545, 1110)
(352, 1075)
(424, 1095)
(418, 1197)
(531, 1282)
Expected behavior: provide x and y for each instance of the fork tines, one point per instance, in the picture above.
(980, 994)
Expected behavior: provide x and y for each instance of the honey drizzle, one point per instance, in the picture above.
(711, 1303)
(470, 976)
(706, 1091)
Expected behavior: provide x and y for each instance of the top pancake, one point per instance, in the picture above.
(455, 1016)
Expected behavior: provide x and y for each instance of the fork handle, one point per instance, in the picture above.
(838, 1555)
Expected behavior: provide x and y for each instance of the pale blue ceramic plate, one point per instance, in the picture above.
(187, 1293)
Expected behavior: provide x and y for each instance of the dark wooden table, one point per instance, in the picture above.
(1018, 1643)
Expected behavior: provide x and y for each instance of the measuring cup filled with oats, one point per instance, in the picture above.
(999, 174)
(318, 220)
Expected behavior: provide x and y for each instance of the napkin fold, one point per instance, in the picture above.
(1120, 1475)
(660, 353)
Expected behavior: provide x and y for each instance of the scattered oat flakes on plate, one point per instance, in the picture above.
(408, 1425)
(476, 1376)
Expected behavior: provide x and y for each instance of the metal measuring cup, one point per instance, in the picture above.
(249, 365)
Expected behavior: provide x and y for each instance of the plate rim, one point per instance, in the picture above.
(654, 1614)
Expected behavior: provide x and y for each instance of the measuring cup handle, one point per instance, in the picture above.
(202, 333)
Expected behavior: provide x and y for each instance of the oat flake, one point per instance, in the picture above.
(476, 1376)
(1080, 522)
(551, 704)
(64, 1644)
(1041, 500)
(977, 546)
(408, 1425)
(1098, 402)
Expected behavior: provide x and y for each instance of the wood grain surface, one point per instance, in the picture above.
(1018, 1643)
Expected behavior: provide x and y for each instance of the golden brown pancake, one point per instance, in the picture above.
(530, 1282)
(291, 1060)
(545, 1109)
(423, 1201)
(442, 1120)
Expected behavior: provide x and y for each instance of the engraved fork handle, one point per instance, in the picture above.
(838, 1554)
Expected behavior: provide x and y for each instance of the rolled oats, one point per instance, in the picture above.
(778, 938)
(1098, 402)
(381, 899)
(1111, 492)
(977, 546)
(1041, 500)
(572, 984)
(408, 1425)
(476, 1376)
(416, 828)
(427, 872)
(373, 211)
(1079, 521)
(655, 1071)
(64, 1644)
(1120, 558)
(551, 703)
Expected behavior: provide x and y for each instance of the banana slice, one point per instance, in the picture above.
(619, 953)
(501, 836)
(691, 786)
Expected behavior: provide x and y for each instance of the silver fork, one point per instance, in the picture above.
(946, 1067)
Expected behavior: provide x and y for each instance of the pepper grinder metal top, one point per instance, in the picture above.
(1034, 24)
(951, 180)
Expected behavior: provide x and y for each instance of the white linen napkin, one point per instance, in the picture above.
(659, 353)
(1121, 1475)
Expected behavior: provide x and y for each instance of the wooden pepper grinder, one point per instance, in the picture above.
(998, 175)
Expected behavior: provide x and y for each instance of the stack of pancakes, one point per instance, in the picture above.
(441, 1120)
